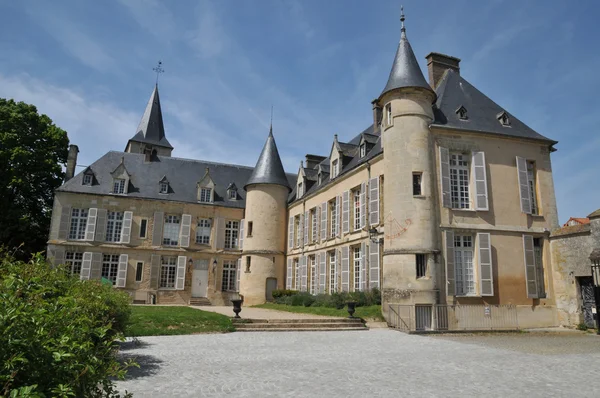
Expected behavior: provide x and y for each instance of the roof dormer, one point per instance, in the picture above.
(121, 179)
(462, 113)
(503, 118)
(88, 177)
(232, 192)
(163, 186)
(301, 182)
(335, 158)
(206, 188)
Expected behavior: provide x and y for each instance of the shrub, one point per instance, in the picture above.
(57, 334)
(283, 293)
(582, 326)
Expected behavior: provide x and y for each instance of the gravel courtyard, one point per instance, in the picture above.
(381, 363)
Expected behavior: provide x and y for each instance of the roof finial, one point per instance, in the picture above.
(271, 128)
(158, 69)
(402, 18)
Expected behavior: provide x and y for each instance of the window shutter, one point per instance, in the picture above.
(301, 230)
(220, 230)
(479, 174)
(186, 224)
(445, 177)
(238, 274)
(318, 217)
(523, 185)
(363, 204)
(180, 279)
(100, 235)
(157, 229)
(65, 222)
(532, 291)
(306, 227)
(363, 266)
(241, 239)
(90, 226)
(346, 212)
(338, 215)
(291, 233)
(374, 265)
(303, 271)
(86, 266)
(154, 271)
(59, 255)
(450, 279)
(374, 201)
(323, 272)
(122, 270)
(323, 222)
(486, 278)
(96, 272)
(345, 269)
(288, 284)
(126, 230)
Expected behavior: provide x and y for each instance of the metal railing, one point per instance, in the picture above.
(439, 317)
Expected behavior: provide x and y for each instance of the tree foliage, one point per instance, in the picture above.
(32, 150)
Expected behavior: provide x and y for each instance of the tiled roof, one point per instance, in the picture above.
(570, 230)
(578, 220)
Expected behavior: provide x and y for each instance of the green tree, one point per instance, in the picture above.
(32, 152)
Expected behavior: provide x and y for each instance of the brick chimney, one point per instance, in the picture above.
(437, 64)
(71, 162)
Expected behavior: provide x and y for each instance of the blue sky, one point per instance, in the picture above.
(88, 65)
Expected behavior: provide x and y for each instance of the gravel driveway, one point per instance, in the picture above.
(379, 363)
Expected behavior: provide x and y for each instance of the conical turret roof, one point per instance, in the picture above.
(268, 169)
(151, 129)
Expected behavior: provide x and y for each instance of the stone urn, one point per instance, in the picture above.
(237, 307)
(351, 308)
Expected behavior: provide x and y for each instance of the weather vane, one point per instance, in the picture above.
(158, 69)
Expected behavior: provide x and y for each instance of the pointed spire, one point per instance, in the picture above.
(151, 129)
(405, 70)
(268, 169)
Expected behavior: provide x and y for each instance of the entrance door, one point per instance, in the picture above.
(271, 285)
(199, 282)
(588, 304)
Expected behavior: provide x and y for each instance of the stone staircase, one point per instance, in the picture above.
(298, 325)
(200, 301)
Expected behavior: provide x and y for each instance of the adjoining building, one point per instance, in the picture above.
(445, 198)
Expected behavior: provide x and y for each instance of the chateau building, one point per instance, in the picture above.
(445, 198)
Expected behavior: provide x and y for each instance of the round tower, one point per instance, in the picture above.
(263, 255)
(410, 243)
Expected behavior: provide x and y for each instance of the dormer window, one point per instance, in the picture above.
(119, 186)
(300, 189)
(232, 194)
(164, 187)
(87, 179)
(334, 168)
(363, 150)
(205, 195)
(121, 178)
(503, 118)
(462, 113)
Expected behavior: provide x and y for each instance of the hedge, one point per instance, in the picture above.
(334, 300)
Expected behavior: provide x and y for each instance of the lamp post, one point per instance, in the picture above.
(373, 235)
(595, 258)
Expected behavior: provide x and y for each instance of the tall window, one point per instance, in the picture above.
(74, 260)
(314, 226)
(110, 266)
(297, 274)
(298, 230)
(363, 150)
(164, 187)
(332, 272)
(421, 260)
(357, 269)
(114, 225)
(203, 231)
(539, 267)
(388, 113)
(87, 179)
(143, 227)
(356, 212)
(229, 276)
(463, 265)
(417, 184)
(232, 194)
(459, 181)
(78, 223)
(168, 271)
(231, 234)
(532, 186)
(300, 189)
(334, 168)
(139, 268)
(119, 185)
(205, 195)
(313, 274)
(333, 219)
(171, 231)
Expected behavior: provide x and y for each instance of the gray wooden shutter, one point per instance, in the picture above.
(303, 271)
(486, 278)
(345, 269)
(238, 274)
(220, 231)
(157, 229)
(122, 270)
(288, 284)
(154, 271)
(96, 272)
(346, 212)
(291, 233)
(186, 227)
(306, 227)
(450, 278)
(86, 266)
(363, 266)
(374, 201)
(445, 177)
(241, 234)
(300, 236)
(338, 215)
(323, 272)
(318, 217)
(90, 226)
(374, 265)
(480, 177)
(126, 230)
(532, 291)
(180, 279)
(363, 204)
(100, 226)
(65, 222)
(524, 192)
(323, 221)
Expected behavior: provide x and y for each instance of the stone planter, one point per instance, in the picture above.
(237, 307)
(351, 308)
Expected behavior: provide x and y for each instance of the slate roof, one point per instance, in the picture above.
(454, 91)
(151, 129)
(268, 169)
(594, 214)
(183, 176)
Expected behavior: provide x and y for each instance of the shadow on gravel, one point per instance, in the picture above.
(149, 365)
(133, 344)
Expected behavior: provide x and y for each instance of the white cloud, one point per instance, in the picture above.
(208, 39)
(153, 16)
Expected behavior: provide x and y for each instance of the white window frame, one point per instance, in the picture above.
(460, 183)
(332, 260)
(296, 265)
(114, 226)
(110, 267)
(465, 273)
(357, 267)
(333, 217)
(164, 187)
(78, 224)
(363, 150)
(232, 194)
(229, 276)
(298, 231)
(119, 186)
(88, 179)
(168, 272)
(171, 229)
(356, 210)
(232, 228)
(74, 260)
(313, 274)
(205, 195)
(314, 225)
(203, 231)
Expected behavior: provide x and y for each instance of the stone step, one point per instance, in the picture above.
(200, 301)
(305, 329)
(310, 320)
(275, 325)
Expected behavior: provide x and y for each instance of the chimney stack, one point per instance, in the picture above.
(313, 160)
(71, 162)
(377, 113)
(437, 64)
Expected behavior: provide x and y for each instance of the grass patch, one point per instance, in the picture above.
(159, 321)
(369, 312)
